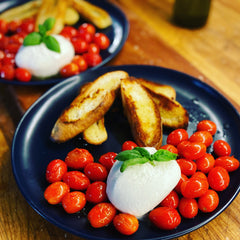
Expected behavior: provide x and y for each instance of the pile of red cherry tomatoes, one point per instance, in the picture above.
(86, 41)
(79, 180)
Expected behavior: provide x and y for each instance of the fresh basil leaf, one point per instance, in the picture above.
(42, 29)
(49, 23)
(52, 43)
(163, 155)
(128, 154)
(31, 39)
(143, 152)
(132, 162)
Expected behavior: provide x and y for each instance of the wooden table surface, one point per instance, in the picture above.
(211, 54)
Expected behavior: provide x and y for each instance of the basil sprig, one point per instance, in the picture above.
(140, 155)
(35, 38)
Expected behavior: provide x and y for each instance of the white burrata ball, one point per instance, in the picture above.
(43, 62)
(141, 187)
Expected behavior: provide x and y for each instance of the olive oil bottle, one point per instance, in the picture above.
(191, 13)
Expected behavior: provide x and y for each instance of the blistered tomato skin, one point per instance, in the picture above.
(188, 207)
(205, 163)
(182, 179)
(177, 136)
(101, 215)
(107, 160)
(172, 200)
(229, 163)
(125, 223)
(96, 171)
(23, 75)
(191, 150)
(78, 158)
(218, 178)
(209, 201)
(69, 70)
(207, 125)
(128, 145)
(96, 192)
(165, 218)
(170, 148)
(203, 137)
(56, 170)
(188, 167)
(221, 148)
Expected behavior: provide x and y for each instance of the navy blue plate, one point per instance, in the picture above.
(32, 148)
(117, 34)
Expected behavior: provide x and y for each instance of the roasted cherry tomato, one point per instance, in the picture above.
(203, 137)
(218, 178)
(221, 148)
(78, 158)
(69, 70)
(23, 75)
(92, 59)
(55, 192)
(107, 160)
(199, 175)
(170, 148)
(87, 27)
(96, 171)
(27, 25)
(81, 62)
(93, 48)
(125, 223)
(3, 26)
(128, 145)
(227, 162)
(207, 125)
(13, 25)
(209, 201)
(101, 215)
(171, 200)
(96, 192)
(188, 207)
(7, 72)
(188, 167)
(76, 180)
(194, 187)
(205, 163)
(192, 150)
(80, 45)
(101, 40)
(182, 179)
(55, 170)
(165, 218)
(12, 48)
(69, 31)
(73, 202)
(177, 136)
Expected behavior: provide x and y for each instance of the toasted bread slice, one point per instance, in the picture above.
(98, 16)
(142, 113)
(173, 114)
(88, 107)
(159, 88)
(96, 134)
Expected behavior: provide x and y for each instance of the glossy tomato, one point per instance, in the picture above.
(78, 158)
(207, 125)
(125, 223)
(165, 218)
(96, 192)
(73, 202)
(87, 27)
(205, 163)
(171, 200)
(203, 137)
(101, 215)
(92, 59)
(194, 187)
(76, 180)
(199, 175)
(221, 148)
(69, 70)
(93, 48)
(218, 178)
(23, 75)
(188, 207)
(177, 136)
(101, 40)
(192, 150)
(69, 31)
(80, 45)
(188, 167)
(27, 25)
(3, 26)
(170, 148)
(108, 159)
(209, 201)
(96, 171)
(128, 145)
(55, 192)
(182, 179)
(7, 72)
(81, 62)
(56, 170)
(227, 162)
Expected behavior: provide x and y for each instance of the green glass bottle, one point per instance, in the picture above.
(191, 13)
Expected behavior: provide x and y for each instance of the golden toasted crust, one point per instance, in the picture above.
(173, 114)
(142, 113)
(94, 14)
(88, 107)
(96, 134)
(158, 88)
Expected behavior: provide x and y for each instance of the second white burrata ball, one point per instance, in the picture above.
(41, 61)
(141, 187)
